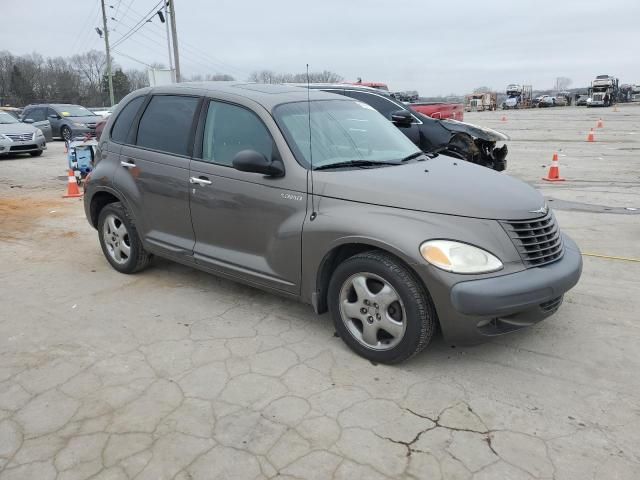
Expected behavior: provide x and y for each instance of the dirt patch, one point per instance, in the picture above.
(19, 215)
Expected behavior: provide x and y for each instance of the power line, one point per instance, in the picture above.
(138, 26)
(192, 59)
(132, 58)
(89, 24)
(203, 56)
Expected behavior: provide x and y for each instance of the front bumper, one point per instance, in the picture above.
(482, 308)
(82, 131)
(7, 146)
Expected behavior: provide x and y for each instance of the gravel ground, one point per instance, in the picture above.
(176, 374)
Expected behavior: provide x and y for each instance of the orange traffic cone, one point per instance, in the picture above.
(504, 118)
(591, 137)
(72, 187)
(554, 171)
(599, 124)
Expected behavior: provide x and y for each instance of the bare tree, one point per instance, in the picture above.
(79, 79)
(91, 67)
(269, 76)
(137, 79)
(219, 77)
(482, 90)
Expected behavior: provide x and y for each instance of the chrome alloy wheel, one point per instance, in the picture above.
(372, 311)
(116, 239)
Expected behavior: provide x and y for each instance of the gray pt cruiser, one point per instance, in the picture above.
(321, 199)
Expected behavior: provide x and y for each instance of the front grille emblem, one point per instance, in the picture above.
(542, 210)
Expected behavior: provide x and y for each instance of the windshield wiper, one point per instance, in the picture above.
(412, 156)
(354, 163)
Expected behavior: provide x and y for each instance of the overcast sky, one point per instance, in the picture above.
(435, 47)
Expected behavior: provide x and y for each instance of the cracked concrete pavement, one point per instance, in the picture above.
(176, 374)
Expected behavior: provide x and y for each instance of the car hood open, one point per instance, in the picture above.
(440, 185)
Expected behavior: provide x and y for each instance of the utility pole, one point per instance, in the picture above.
(106, 44)
(166, 24)
(174, 35)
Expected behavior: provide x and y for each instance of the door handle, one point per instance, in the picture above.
(200, 180)
(127, 164)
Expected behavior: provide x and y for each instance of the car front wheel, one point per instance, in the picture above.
(119, 240)
(37, 153)
(380, 309)
(65, 133)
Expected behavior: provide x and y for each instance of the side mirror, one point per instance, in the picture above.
(54, 116)
(28, 120)
(402, 117)
(255, 162)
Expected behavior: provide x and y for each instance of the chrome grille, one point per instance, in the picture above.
(538, 241)
(19, 137)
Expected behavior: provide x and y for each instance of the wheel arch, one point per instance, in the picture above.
(341, 252)
(99, 200)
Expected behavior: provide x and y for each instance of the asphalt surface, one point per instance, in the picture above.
(176, 374)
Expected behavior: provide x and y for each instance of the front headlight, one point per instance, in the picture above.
(80, 125)
(39, 133)
(459, 257)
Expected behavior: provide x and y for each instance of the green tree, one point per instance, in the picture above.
(121, 85)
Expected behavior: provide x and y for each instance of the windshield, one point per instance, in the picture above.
(7, 118)
(74, 111)
(342, 131)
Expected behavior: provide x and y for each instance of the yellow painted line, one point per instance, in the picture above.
(609, 257)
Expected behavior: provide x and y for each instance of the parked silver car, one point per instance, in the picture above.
(18, 137)
(43, 125)
(67, 121)
(323, 200)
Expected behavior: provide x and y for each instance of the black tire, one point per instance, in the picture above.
(65, 133)
(420, 315)
(138, 259)
(36, 153)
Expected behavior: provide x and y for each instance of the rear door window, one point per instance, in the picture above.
(122, 125)
(166, 124)
(381, 104)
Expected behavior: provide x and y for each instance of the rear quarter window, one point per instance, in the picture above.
(122, 126)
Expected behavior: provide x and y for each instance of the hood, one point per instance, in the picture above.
(475, 131)
(17, 128)
(439, 185)
(92, 119)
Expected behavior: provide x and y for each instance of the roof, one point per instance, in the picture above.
(267, 95)
(349, 86)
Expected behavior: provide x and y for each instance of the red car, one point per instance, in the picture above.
(455, 111)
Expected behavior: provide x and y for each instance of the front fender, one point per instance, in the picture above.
(397, 231)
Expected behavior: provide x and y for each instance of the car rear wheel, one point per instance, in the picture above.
(379, 308)
(119, 240)
(36, 153)
(65, 133)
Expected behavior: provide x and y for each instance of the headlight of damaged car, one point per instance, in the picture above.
(39, 133)
(459, 257)
(81, 125)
